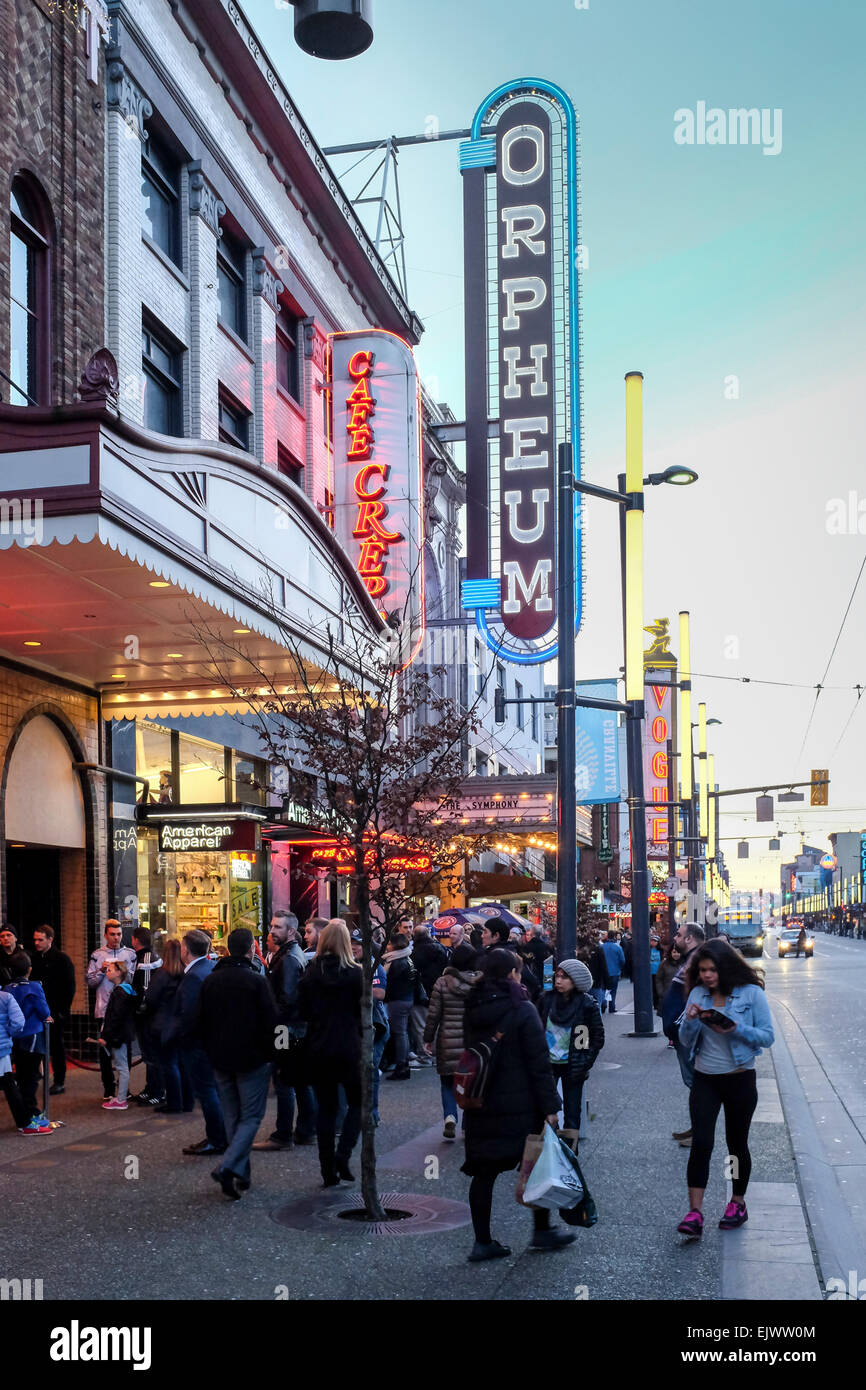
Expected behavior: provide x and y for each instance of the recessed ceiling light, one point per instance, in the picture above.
(118, 676)
(242, 631)
(160, 584)
(178, 655)
(33, 644)
(17, 846)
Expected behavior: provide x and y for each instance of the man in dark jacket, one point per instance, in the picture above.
(536, 950)
(496, 935)
(56, 974)
(429, 959)
(194, 1060)
(236, 1019)
(687, 940)
(10, 955)
(146, 962)
(284, 971)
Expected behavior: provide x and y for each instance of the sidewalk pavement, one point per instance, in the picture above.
(107, 1206)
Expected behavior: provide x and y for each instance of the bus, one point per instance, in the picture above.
(745, 928)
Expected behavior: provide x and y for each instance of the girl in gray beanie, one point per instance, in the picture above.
(575, 1033)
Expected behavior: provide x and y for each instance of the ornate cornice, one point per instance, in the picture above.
(125, 95)
(204, 201)
(265, 281)
(314, 343)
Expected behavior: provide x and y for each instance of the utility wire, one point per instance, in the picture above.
(859, 690)
(830, 658)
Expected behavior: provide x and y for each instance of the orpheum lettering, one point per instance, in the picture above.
(526, 397)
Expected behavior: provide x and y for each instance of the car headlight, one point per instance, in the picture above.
(759, 941)
(783, 945)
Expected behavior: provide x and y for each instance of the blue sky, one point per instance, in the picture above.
(704, 262)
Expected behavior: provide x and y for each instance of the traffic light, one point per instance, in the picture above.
(819, 795)
(499, 705)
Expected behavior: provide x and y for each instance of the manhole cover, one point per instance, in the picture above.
(424, 1214)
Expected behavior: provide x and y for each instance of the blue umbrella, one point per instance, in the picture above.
(441, 925)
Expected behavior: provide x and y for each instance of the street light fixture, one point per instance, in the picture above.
(334, 29)
(679, 475)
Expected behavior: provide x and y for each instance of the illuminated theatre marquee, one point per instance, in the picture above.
(376, 480)
(521, 351)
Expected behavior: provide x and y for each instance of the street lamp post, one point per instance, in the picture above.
(630, 498)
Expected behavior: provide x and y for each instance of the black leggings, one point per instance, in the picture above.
(737, 1091)
(481, 1205)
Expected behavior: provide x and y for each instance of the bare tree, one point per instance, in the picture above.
(387, 747)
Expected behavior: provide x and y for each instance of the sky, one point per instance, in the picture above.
(734, 279)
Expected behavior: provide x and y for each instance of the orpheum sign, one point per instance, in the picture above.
(521, 357)
(376, 482)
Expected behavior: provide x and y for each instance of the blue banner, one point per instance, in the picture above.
(597, 746)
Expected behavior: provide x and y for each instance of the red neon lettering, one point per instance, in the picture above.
(659, 794)
(660, 691)
(360, 392)
(370, 517)
(660, 728)
(361, 488)
(659, 764)
(370, 561)
(360, 364)
(362, 442)
(377, 585)
(659, 828)
(360, 411)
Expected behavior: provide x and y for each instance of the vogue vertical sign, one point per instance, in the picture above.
(520, 264)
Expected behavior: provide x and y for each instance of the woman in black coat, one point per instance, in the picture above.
(329, 1000)
(520, 1095)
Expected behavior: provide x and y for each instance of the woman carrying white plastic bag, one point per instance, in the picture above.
(553, 1182)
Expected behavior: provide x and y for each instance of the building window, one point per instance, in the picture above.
(161, 368)
(234, 422)
(250, 779)
(160, 196)
(288, 356)
(232, 284)
(202, 771)
(533, 714)
(29, 287)
(518, 695)
(289, 466)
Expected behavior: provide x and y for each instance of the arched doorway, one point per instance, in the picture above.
(45, 817)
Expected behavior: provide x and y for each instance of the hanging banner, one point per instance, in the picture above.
(376, 482)
(522, 366)
(597, 765)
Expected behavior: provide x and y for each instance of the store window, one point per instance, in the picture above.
(29, 296)
(250, 780)
(232, 283)
(288, 355)
(153, 760)
(234, 422)
(202, 771)
(160, 196)
(162, 372)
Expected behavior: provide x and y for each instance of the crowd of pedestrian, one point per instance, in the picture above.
(220, 1031)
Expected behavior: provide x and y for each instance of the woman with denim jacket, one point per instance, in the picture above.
(719, 979)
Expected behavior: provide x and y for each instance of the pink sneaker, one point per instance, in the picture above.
(735, 1215)
(114, 1104)
(692, 1224)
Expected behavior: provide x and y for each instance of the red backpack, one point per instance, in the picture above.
(474, 1070)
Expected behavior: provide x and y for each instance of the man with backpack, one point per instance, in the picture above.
(688, 938)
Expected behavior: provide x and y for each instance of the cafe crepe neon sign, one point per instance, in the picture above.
(371, 527)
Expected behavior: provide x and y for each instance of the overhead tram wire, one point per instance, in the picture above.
(859, 689)
(832, 654)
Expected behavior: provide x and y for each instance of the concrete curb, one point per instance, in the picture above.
(838, 1246)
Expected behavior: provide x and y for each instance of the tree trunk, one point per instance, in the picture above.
(369, 1181)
